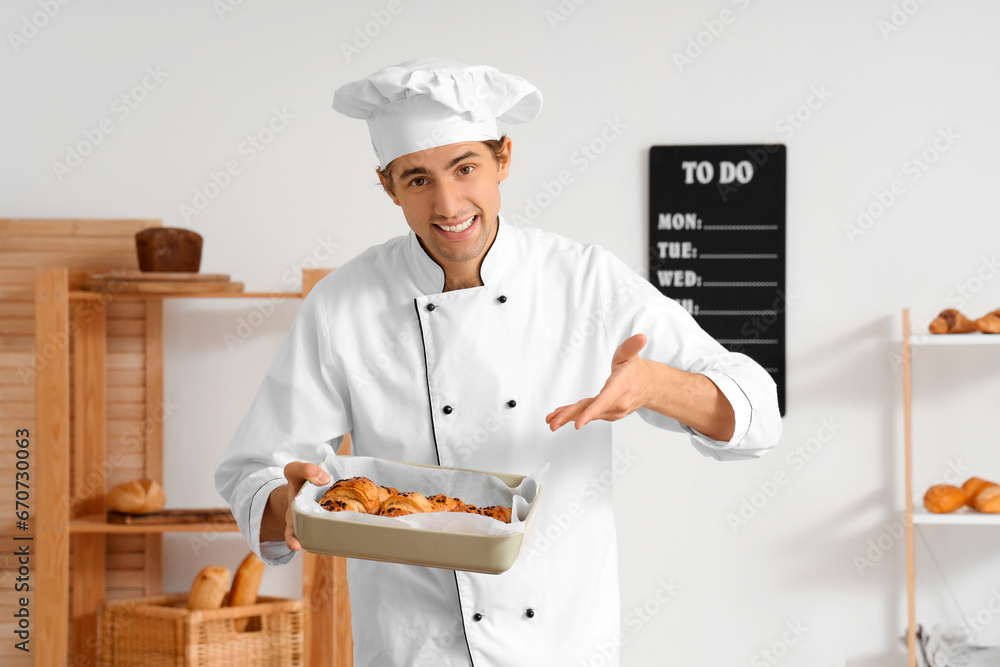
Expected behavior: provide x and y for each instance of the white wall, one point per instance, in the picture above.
(890, 94)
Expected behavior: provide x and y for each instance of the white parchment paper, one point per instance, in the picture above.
(473, 488)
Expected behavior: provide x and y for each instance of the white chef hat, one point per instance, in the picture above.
(430, 102)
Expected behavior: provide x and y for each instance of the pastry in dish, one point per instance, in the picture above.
(498, 512)
(443, 503)
(408, 502)
(358, 494)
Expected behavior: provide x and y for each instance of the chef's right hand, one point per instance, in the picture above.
(297, 472)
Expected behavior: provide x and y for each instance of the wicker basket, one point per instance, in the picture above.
(155, 631)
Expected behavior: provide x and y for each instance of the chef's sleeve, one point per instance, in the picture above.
(300, 413)
(631, 305)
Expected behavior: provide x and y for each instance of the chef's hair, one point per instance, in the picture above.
(495, 145)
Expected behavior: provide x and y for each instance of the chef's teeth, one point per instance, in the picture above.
(459, 228)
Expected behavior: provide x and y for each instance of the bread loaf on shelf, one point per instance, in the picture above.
(944, 498)
(973, 486)
(988, 500)
(209, 588)
(138, 496)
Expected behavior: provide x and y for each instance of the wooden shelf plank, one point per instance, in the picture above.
(99, 296)
(51, 446)
(89, 452)
(920, 340)
(96, 523)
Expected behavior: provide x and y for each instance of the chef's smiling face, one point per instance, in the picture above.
(450, 196)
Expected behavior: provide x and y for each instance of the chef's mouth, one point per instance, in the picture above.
(459, 227)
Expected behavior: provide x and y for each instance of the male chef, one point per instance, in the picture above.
(473, 343)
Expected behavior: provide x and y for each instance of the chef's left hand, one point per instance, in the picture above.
(625, 391)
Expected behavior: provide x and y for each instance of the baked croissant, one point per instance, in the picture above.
(990, 322)
(443, 503)
(498, 512)
(408, 502)
(357, 494)
(952, 321)
(360, 494)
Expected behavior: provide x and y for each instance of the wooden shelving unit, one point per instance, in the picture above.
(915, 514)
(75, 454)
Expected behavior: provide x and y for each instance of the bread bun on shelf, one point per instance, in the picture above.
(944, 498)
(138, 496)
(988, 500)
(209, 588)
(973, 486)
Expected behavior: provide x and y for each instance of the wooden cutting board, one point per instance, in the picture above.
(220, 516)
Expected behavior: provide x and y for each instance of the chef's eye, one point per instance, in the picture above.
(418, 181)
(467, 169)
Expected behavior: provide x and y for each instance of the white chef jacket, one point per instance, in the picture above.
(465, 378)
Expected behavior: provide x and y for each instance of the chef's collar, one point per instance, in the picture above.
(429, 276)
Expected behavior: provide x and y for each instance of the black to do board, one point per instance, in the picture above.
(717, 244)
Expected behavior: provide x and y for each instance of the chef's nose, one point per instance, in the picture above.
(449, 201)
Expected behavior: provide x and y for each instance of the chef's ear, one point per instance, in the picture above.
(504, 160)
(385, 178)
